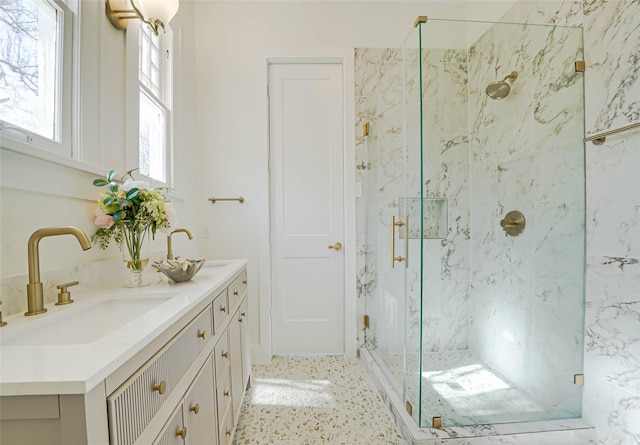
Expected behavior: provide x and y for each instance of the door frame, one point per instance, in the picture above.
(344, 56)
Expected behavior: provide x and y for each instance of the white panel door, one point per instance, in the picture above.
(306, 149)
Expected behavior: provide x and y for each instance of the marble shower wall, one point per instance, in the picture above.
(527, 155)
(612, 100)
(611, 399)
(446, 163)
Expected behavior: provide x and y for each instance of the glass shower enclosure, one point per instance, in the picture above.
(475, 210)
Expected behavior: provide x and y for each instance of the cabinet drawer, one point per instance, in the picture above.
(226, 429)
(223, 396)
(133, 405)
(238, 288)
(220, 310)
(173, 431)
(221, 357)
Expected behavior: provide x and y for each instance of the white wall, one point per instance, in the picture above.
(231, 38)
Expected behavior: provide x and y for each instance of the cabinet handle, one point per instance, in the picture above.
(223, 309)
(182, 432)
(226, 393)
(202, 334)
(244, 314)
(235, 292)
(228, 432)
(161, 387)
(240, 320)
(224, 354)
(195, 408)
(244, 281)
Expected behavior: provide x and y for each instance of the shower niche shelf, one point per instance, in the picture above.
(435, 219)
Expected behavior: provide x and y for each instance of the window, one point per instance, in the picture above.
(155, 103)
(35, 73)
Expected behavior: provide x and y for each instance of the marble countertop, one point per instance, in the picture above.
(39, 369)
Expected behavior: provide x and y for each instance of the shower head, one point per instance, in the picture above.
(500, 88)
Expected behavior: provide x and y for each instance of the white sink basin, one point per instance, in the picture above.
(85, 324)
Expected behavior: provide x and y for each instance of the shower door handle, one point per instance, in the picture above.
(395, 258)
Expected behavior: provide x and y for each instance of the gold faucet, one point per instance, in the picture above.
(169, 247)
(35, 297)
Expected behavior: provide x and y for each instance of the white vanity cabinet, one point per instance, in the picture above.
(183, 385)
(137, 408)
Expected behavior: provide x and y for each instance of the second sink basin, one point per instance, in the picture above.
(86, 324)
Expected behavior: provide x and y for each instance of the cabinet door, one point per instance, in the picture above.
(246, 343)
(173, 433)
(235, 346)
(199, 408)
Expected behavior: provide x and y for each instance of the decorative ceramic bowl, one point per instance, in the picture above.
(179, 270)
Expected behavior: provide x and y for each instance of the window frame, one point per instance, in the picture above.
(22, 140)
(164, 99)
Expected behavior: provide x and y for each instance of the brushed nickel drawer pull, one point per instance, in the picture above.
(195, 408)
(182, 432)
(161, 387)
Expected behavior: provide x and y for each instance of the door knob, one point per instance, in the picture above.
(337, 245)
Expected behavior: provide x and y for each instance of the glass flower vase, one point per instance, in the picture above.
(134, 244)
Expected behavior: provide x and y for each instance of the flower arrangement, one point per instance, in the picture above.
(127, 210)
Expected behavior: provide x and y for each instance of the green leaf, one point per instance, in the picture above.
(118, 215)
(113, 187)
(107, 201)
(111, 175)
(99, 182)
(132, 193)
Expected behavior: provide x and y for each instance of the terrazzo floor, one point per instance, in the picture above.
(313, 401)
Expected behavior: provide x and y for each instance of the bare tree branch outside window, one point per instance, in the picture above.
(28, 64)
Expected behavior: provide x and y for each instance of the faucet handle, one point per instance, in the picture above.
(64, 297)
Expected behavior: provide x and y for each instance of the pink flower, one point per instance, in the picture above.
(103, 221)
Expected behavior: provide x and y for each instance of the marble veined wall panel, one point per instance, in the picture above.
(522, 287)
(612, 96)
(613, 80)
(445, 162)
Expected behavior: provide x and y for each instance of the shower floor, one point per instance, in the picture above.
(464, 390)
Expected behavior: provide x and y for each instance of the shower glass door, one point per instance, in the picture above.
(495, 202)
(384, 184)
